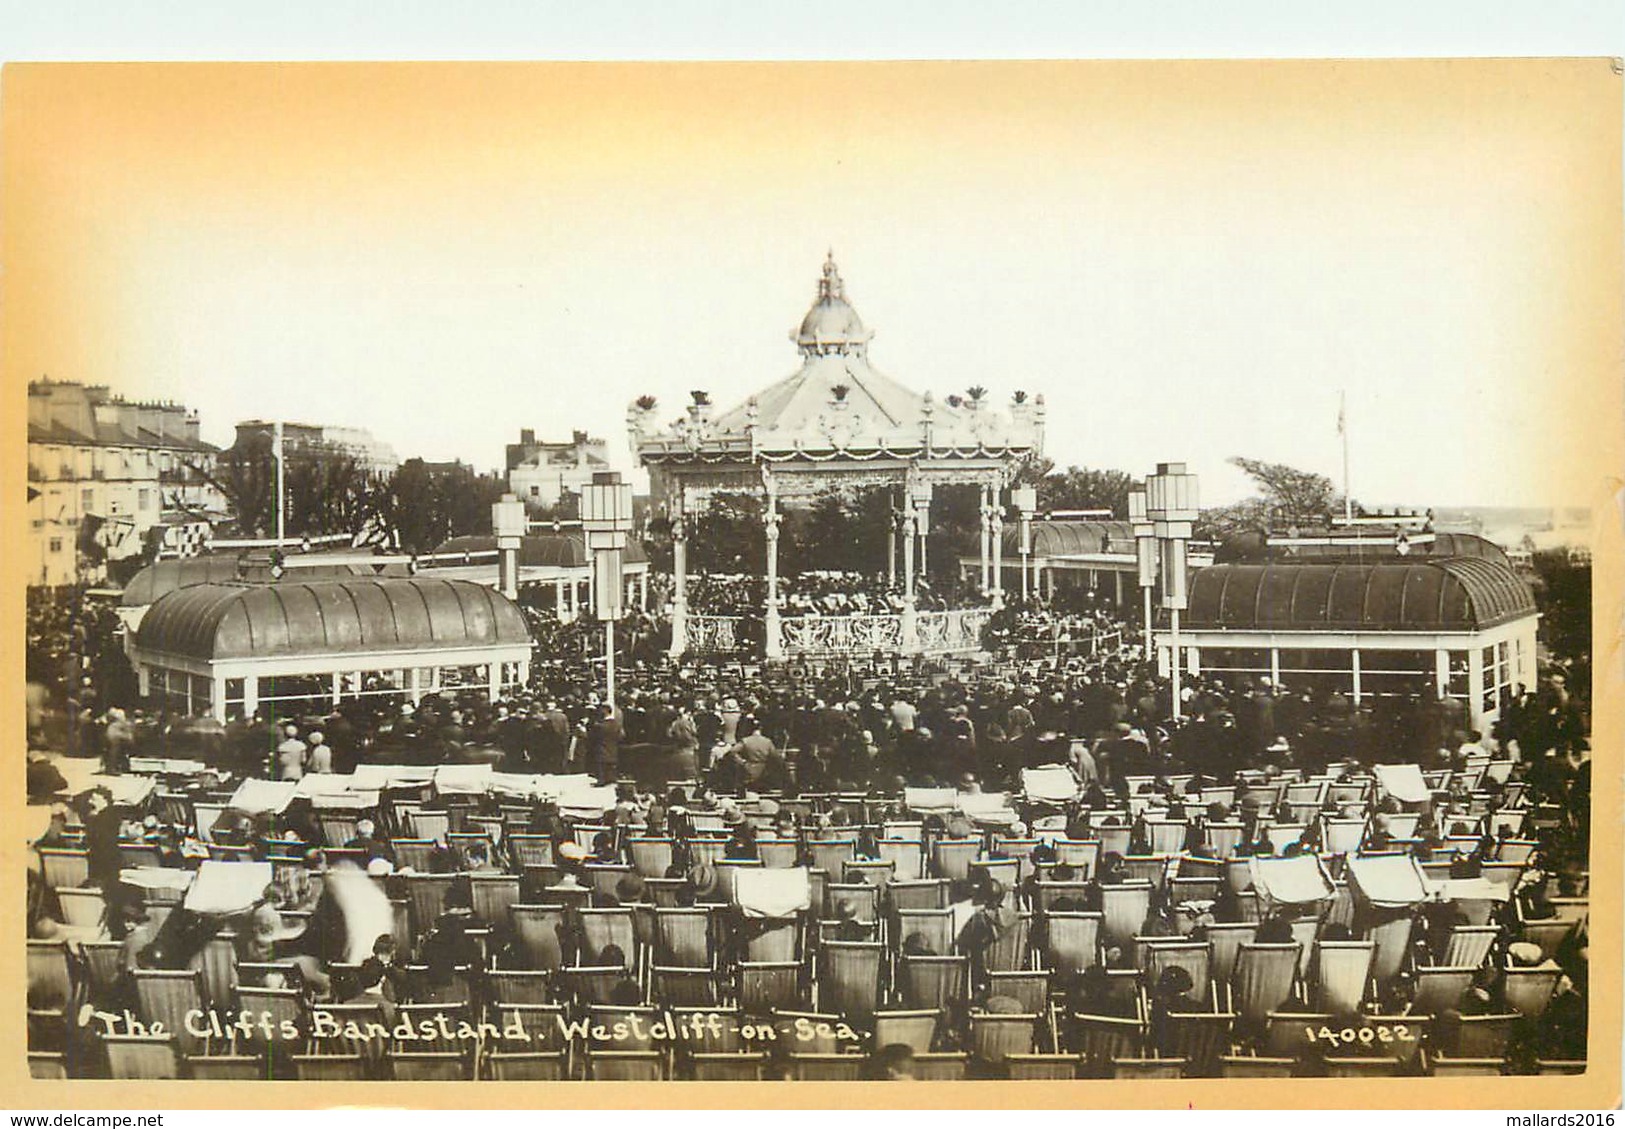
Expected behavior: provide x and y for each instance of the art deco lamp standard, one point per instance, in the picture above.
(1026, 500)
(606, 518)
(1170, 501)
(1145, 548)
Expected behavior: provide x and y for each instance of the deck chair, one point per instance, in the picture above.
(1440, 989)
(283, 1005)
(1528, 991)
(429, 1066)
(925, 893)
(936, 983)
(1029, 989)
(83, 907)
(427, 1016)
(863, 898)
(328, 1068)
(1262, 979)
(542, 934)
(1114, 840)
(1443, 1066)
(1146, 1069)
(101, 966)
(1468, 946)
(601, 928)
(543, 1024)
(1392, 940)
(1009, 952)
(1124, 907)
(227, 1068)
(1360, 1067)
(1341, 836)
(1166, 836)
(1081, 854)
(951, 858)
(525, 1066)
(427, 894)
(822, 1041)
(700, 1036)
(638, 1021)
(684, 987)
(1042, 1067)
(1284, 1032)
(1148, 868)
(594, 984)
(1485, 1036)
(1021, 850)
(518, 986)
(1223, 838)
(603, 877)
(336, 825)
(993, 1038)
(1191, 889)
(1102, 1038)
(1046, 894)
(1254, 1066)
(849, 978)
(1560, 1066)
(651, 857)
(625, 1066)
(1007, 872)
(141, 1057)
(1548, 934)
(1226, 939)
(778, 854)
(830, 855)
(532, 850)
(50, 979)
(941, 1066)
(64, 867)
(826, 1068)
(431, 825)
(767, 986)
(1341, 971)
(217, 962)
(166, 996)
(1193, 956)
(1198, 1037)
(774, 941)
(915, 1029)
(414, 853)
(874, 872)
(934, 925)
(736, 1067)
(490, 895)
(683, 937)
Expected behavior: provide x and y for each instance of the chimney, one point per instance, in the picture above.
(527, 436)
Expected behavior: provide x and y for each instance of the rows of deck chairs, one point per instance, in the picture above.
(875, 960)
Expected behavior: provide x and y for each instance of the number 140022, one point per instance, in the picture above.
(1381, 1033)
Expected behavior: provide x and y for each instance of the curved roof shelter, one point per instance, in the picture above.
(207, 623)
(566, 549)
(1073, 538)
(162, 577)
(1432, 594)
(1254, 548)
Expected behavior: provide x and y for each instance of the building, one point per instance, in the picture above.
(232, 649)
(104, 473)
(321, 441)
(1069, 555)
(557, 564)
(542, 474)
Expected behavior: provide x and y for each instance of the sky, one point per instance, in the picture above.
(1190, 261)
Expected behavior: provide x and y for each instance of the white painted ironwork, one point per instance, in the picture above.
(713, 634)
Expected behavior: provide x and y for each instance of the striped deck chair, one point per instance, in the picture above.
(414, 853)
(227, 1068)
(1546, 933)
(684, 987)
(526, 1066)
(166, 996)
(941, 1066)
(1342, 836)
(1124, 907)
(1528, 991)
(778, 854)
(543, 1024)
(1283, 1032)
(1342, 969)
(1046, 894)
(849, 978)
(518, 986)
(699, 1036)
(1042, 1067)
(1146, 1069)
(1255, 1066)
(328, 1068)
(736, 1067)
(603, 877)
(1081, 854)
(1358, 1067)
(1113, 840)
(1198, 1037)
(427, 894)
(1029, 989)
(491, 895)
(1440, 989)
(1443, 1066)
(1468, 946)
(601, 928)
(542, 934)
(863, 899)
(993, 1038)
(1166, 836)
(424, 824)
(1193, 956)
(638, 1022)
(1193, 890)
(83, 907)
(1009, 952)
(915, 1029)
(50, 977)
(926, 893)
(777, 940)
(651, 857)
(822, 1040)
(874, 872)
(951, 858)
(936, 926)
(429, 1066)
(684, 937)
(1392, 939)
(1222, 838)
(1148, 868)
(64, 867)
(1226, 939)
(768, 986)
(530, 850)
(141, 1057)
(826, 1068)
(830, 855)
(936, 983)
(1262, 979)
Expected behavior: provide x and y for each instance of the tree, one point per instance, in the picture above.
(431, 502)
(1082, 488)
(1287, 496)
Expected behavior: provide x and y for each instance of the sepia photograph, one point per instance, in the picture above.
(1072, 574)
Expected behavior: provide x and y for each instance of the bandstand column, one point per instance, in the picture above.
(679, 593)
(986, 549)
(558, 598)
(770, 521)
(910, 641)
(995, 531)
(891, 549)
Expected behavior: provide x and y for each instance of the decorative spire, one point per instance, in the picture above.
(830, 286)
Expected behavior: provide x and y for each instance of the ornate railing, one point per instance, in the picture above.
(851, 634)
(950, 632)
(713, 634)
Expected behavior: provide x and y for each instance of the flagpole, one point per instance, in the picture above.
(1343, 430)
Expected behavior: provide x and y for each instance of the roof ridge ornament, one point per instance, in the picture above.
(830, 285)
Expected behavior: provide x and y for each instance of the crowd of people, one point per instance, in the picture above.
(914, 870)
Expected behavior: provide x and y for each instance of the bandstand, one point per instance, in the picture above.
(838, 424)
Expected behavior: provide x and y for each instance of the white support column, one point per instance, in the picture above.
(493, 680)
(1475, 683)
(338, 687)
(986, 556)
(414, 685)
(251, 694)
(1441, 673)
(143, 679)
(1275, 667)
(995, 536)
(910, 637)
(770, 522)
(524, 672)
(217, 697)
(1354, 669)
(558, 598)
(679, 565)
(1117, 587)
(891, 551)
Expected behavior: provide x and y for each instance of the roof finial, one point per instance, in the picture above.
(830, 285)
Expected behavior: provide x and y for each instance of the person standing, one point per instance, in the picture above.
(290, 755)
(604, 745)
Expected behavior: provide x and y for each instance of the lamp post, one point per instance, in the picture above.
(1026, 500)
(606, 518)
(1145, 549)
(509, 524)
(1170, 499)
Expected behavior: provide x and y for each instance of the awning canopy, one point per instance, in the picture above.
(1072, 538)
(1448, 594)
(415, 615)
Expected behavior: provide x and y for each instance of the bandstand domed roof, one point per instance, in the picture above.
(832, 322)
